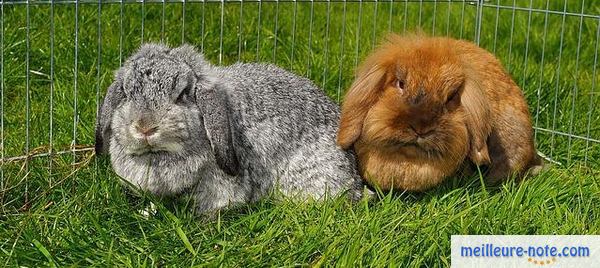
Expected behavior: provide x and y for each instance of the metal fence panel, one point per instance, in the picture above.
(57, 57)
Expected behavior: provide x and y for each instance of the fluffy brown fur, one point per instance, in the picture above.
(420, 106)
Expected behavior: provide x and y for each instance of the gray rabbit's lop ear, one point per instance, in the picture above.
(217, 123)
(114, 96)
(211, 97)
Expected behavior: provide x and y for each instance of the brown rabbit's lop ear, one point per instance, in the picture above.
(478, 120)
(361, 96)
(368, 86)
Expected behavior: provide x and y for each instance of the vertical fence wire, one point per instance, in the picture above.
(374, 26)
(326, 53)
(357, 38)
(27, 94)
(143, 12)
(240, 31)
(512, 31)
(496, 25)
(405, 15)
(341, 63)
(524, 82)
(99, 55)
(462, 19)
(276, 30)
(592, 95)
(222, 18)
(258, 31)
(51, 108)
(575, 84)
(448, 18)
(98, 64)
(76, 71)
(525, 74)
(183, 21)
(295, 12)
(560, 50)
(478, 21)
(2, 186)
(310, 36)
(202, 25)
(121, 33)
(420, 12)
(162, 23)
(541, 80)
(391, 13)
(434, 18)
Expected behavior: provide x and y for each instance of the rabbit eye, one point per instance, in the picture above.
(181, 98)
(400, 85)
(454, 99)
(183, 95)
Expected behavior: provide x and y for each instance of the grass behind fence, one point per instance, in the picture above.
(70, 209)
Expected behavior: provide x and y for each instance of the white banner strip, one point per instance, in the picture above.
(525, 251)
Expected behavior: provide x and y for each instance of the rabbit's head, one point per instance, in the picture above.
(407, 95)
(165, 105)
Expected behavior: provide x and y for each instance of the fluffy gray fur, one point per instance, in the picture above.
(222, 135)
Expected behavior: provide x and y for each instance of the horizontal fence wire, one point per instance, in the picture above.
(323, 43)
(471, 2)
(15, 2)
(555, 12)
(45, 154)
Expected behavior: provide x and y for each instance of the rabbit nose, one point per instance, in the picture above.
(422, 131)
(146, 131)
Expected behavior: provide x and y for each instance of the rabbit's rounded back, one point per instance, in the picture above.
(286, 130)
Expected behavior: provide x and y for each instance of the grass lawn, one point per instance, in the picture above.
(71, 210)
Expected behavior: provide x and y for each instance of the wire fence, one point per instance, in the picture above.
(57, 57)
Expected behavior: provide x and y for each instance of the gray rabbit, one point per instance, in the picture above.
(175, 125)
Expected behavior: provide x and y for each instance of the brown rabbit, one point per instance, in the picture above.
(420, 106)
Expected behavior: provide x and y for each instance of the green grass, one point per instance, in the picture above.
(71, 210)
